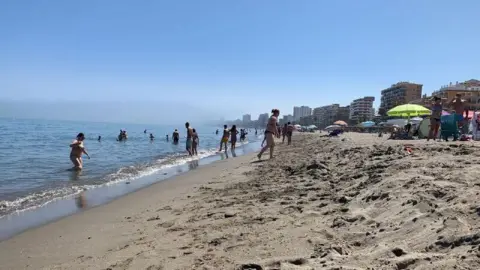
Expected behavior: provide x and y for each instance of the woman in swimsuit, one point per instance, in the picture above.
(270, 132)
(435, 118)
(233, 134)
(224, 141)
(77, 150)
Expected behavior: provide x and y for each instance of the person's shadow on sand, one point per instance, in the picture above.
(258, 161)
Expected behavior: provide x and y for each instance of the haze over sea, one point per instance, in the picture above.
(34, 157)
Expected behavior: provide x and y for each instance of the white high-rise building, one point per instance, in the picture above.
(361, 110)
(302, 111)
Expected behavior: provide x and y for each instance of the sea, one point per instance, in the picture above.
(37, 184)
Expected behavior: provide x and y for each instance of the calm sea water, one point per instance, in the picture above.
(34, 157)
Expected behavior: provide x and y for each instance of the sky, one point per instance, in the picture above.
(177, 60)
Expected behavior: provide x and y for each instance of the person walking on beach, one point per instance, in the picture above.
(284, 132)
(233, 134)
(435, 118)
(189, 138)
(77, 151)
(224, 141)
(290, 129)
(195, 142)
(270, 133)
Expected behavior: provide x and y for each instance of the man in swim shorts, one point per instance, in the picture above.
(189, 138)
(77, 150)
(458, 105)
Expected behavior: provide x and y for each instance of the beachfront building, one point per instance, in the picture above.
(398, 94)
(287, 118)
(263, 120)
(307, 120)
(466, 89)
(326, 115)
(299, 112)
(361, 110)
(246, 119)
(470, 91)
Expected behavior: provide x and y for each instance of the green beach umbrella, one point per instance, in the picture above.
(408, 110)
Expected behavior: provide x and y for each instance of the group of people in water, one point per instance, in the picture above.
(193, 141)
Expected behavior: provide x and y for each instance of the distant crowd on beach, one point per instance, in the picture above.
(272, 131)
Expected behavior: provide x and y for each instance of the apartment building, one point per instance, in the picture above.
(263, 120)
(469, 90)
(302, 111)
(361, 110)
(398, 94)
(326, 115)
(246, 119)
(287, 118)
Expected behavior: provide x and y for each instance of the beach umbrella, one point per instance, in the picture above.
(367, 124)
(408, 110)
(340, 123)
(333, 127)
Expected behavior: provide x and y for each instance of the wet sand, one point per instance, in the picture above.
(354, 202)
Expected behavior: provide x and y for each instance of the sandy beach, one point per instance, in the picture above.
(353, 202)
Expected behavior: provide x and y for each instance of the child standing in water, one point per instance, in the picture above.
(195, 142)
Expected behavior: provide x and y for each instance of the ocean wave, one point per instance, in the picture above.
(123, 174)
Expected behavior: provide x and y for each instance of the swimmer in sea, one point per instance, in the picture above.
(77, 150)
(151, 137)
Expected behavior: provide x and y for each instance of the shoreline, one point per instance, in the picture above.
(50, 246)
(51, 211)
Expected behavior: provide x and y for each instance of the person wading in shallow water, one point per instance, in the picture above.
(77, 151)
(189, 142)
(271, 132)
(224, 141)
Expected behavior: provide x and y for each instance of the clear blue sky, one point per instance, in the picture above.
(231, 57)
